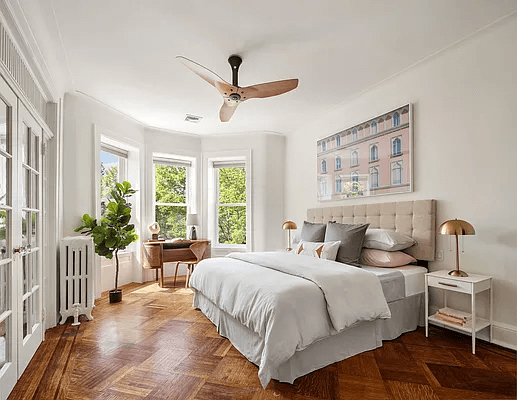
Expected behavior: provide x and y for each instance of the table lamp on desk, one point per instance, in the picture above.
(192, 221)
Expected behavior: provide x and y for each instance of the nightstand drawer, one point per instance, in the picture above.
(450, 284)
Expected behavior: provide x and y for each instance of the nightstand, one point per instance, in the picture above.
(472, 285)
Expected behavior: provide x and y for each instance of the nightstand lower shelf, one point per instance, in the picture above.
(480, 324)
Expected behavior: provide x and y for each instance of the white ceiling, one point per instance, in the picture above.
(121, 52)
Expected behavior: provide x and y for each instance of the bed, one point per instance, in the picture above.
(290, 315)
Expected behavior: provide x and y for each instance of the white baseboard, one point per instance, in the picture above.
(504, 335)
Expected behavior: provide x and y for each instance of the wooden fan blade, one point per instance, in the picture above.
(226, 89)
(227, 111)
(268, 89)
(211, 77)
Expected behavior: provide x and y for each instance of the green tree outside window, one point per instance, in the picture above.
(231, 209)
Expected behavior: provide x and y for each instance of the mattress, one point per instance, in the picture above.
(413, 279)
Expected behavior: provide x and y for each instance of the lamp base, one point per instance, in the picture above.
(289, 249)
(458, 272)
(193, 234)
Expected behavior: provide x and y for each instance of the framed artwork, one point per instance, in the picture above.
(369, 159)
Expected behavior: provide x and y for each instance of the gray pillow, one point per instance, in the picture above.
(351, 237)
(313, 232)
(384, 239)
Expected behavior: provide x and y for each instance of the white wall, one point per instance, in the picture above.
(465, 142)
(267, 155)
(79, 169)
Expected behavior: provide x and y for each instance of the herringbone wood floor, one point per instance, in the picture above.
(155, 345)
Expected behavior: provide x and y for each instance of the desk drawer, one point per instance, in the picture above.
(449, 284)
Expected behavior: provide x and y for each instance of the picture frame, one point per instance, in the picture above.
(372, 158)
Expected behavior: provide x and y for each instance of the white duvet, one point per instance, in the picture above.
(289, 300)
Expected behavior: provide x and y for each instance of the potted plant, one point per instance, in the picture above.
(114, 232)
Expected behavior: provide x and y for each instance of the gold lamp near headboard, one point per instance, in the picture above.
(457, 227)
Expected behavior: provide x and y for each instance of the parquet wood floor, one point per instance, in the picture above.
(155, 345)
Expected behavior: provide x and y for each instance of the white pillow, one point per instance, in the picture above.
(325, 250)
(384, 239)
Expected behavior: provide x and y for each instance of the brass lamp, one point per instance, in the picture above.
(288, 225)
(456, 227)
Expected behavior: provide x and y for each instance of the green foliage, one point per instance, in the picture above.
(232, 219)
(170, 184)
(171, 187)
(114, 232)
(172, 220)
(3, 225)
(108, 178)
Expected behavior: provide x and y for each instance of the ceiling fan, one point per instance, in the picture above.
(233, 94)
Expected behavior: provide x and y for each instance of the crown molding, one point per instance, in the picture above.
(16, 22)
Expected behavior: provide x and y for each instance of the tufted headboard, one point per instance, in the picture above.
(413, 218)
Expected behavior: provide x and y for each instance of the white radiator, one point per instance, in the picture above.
(76, 277)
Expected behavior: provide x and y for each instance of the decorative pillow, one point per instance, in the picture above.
(327, 250)
(387, 259)
(313, 232)
(384, 239)
(351, 237)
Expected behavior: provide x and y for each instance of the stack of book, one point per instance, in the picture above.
(453, 317)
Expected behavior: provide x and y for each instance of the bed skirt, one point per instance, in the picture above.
(406, 315)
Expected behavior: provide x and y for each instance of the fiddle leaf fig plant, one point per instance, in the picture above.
(114, 232)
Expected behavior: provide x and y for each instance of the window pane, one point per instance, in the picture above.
(3, 235)
(4, 144)
(34, 191)
(25, 227)
(172, 221)
(4, 327)
(4, 179)
(109, 174)
(4, 282)
(232, 185)
(170, 184)
(25, 139)
(26, 317)
(232, 224)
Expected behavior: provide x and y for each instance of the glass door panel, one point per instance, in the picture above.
(9, 236)
(29, 324)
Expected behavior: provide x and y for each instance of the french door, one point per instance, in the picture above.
(21, 330)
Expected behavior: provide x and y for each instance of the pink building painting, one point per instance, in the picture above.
(368, 159)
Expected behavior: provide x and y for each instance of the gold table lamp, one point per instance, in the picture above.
(457, 227)
(288, 225)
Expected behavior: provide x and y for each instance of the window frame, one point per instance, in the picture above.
(338, 161)
(396, 118)
(372, 170)
(393, 139)
(324, 166)
(352, 152)
(218, 204)
(392, 175)
(340, 182)
(122, 162)
(210, 211)
(372, 147)
(177, 161)
(372, 125)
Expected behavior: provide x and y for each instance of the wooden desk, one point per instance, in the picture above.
(156, 253)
